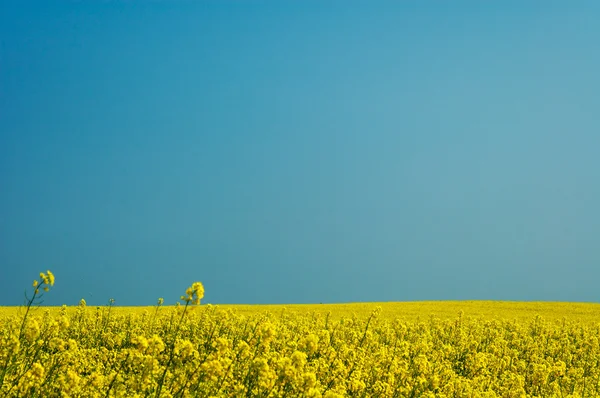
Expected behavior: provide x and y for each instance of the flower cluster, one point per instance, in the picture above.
(193, 294)
(47, 281)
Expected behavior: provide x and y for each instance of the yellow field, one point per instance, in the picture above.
(587, 313)
(423, 310)
(420, 349)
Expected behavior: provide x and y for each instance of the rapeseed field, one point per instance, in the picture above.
(421, 349)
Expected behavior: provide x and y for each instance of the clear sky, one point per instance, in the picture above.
(300, 151)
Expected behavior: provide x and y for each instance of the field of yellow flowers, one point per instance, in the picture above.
(443, 349)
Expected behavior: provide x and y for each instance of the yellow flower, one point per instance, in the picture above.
(194, 293)
(37, 370)
(140, 342)
(198, 289)
(32, 331)
(35, 283)
(156, 344)
(50, 278)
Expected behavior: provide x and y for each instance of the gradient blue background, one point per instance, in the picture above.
(300, 151)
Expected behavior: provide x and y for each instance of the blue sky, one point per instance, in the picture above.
(300, 151)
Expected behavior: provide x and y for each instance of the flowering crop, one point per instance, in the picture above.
(299, 351)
